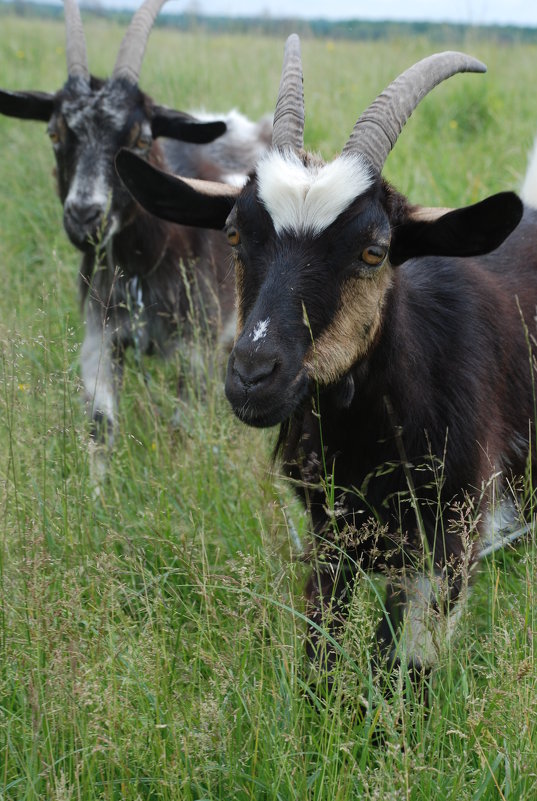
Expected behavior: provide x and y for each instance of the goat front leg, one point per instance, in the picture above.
(101, 367)
(421, 612)
(328, 593)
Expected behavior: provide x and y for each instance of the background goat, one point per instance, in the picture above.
(135, 268)
(398, 371)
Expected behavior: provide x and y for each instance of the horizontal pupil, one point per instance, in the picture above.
(372, 255)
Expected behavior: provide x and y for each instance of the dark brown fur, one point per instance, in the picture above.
(420, 404)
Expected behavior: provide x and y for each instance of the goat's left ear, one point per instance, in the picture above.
(182, 126)
(187, 201)
(27, 105)
(470, 231)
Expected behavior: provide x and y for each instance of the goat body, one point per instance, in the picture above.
(146, 282)
(156, 287)
(390, 344)
(440, 404)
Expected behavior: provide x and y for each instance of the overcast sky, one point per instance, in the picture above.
(518, 12)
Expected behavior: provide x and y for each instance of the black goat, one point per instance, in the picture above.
(135, 269)
(398, 371)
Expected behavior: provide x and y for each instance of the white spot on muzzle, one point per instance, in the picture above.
(260, 330)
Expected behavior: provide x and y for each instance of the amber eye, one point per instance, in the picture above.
(373, 255)
(54, 137)
(233, 236)
(139, 137)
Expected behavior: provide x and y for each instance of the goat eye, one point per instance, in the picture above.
(233, 236)
(139, 137)
(373, 255)
(54, 137)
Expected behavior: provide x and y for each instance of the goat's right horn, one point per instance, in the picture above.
(75, 44)
(288, 130)
(131, 52)
(378, 128)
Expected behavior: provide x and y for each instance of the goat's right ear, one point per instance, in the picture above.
(184, 127)
(469, 231)
(187, 201)
(27, 105)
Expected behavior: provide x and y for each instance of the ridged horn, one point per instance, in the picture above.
(288, 130)
(131, 52)
(75, 43)
(378, 128)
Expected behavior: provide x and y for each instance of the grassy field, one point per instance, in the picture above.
(151, 641)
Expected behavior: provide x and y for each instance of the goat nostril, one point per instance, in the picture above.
(83, 215)
(252, 372)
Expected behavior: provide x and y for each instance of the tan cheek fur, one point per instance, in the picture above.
(61, 129)
(239, 294)
(349, 336)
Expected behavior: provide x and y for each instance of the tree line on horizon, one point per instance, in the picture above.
(266, 25)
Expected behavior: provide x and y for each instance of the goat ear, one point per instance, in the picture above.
(27, 105)
(470, 231)
(182, 126)
(188, 201)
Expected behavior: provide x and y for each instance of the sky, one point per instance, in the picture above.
(475, 12)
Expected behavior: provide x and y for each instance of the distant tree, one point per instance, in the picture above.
(96, 7)
(193, 12)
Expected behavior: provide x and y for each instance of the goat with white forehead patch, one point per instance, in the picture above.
(135, 268)
(398, 371)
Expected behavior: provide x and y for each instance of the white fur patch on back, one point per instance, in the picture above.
(240, 148)
(308, 199)
(528, 192)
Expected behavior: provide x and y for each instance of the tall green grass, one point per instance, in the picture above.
(152, 640)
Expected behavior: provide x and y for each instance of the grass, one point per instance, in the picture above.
(151, 642)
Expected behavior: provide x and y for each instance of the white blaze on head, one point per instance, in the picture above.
(95, 120)
(308, 199)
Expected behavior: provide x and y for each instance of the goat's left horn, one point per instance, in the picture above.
(288, 130)
(75, 43)
(378, 128)
(131, 52)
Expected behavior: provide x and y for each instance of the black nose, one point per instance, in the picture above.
(252, 369)
(86, 216)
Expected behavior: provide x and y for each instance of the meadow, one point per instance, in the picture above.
(151, 639)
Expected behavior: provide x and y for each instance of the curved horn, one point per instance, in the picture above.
(75, 44)
(378, 128)
(288, 128)
(132, 49)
